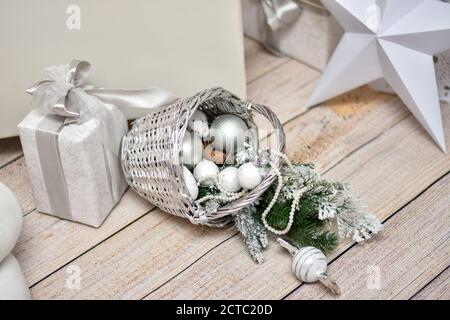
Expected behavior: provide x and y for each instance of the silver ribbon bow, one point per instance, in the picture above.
(65, 100)
(62, 93)
(278, 14)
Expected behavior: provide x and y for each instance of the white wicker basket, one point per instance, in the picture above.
(151, 154)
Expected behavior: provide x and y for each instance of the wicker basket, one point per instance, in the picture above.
(151, 154)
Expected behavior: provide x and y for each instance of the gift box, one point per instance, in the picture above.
(301, 29)
(71, 143)
(182, 46)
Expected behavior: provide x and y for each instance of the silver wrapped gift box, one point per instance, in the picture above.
(301, 29)
(71, 142)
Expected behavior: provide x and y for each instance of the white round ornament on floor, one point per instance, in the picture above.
(198, 123)
(13, 285)
(190, 182)
(249, 176)
(206, 172)
(192, 149)
(10, 221)
(228, 179)
(229, 133)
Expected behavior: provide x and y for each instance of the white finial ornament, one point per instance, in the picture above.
(309, 264)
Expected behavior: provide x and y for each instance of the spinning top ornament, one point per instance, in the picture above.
(309, 264)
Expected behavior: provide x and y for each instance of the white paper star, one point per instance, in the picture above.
(394, 40)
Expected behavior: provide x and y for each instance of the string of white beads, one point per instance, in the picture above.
(295, 201)
(272, 203)
(225, 195)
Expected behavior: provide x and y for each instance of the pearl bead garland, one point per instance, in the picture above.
(277, 194)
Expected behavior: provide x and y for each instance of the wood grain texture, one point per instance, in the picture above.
(47, 243)
(54, 285)
(401, 261)
(10, 149)
(142, 256)
(258, 61)
(438, 289)
(403, 161)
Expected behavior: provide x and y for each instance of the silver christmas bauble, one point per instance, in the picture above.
(206, 172)
(191, 149)
(249, 176)
(229, 132)
(228, 179)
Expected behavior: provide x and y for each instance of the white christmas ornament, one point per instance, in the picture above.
(198, 123)
(10, 221)
(229, 132)
(13, 285)
(190, 182)
(394, 40)
(229, 180)
(249, 176)
(192, 149)
(206, 172)
(309, 264)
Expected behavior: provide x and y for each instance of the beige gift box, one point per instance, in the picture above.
(311, 39)
(182, 46)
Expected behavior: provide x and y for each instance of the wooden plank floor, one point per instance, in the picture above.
(367, 139)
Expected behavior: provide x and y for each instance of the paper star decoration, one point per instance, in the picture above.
(394, 40)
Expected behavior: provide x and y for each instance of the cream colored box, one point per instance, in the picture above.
(180, 45)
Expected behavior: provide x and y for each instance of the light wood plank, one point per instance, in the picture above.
(54, 285)
(48, 243)
(438, 289)
(145, 254)
(10, 149)
(385, 174)
(15, 176)
(415, 249)
(258, 61)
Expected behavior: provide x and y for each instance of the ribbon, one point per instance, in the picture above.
(65, 100)
(62, 93)
(278, 14)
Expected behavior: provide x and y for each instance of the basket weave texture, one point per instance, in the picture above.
(151, 154)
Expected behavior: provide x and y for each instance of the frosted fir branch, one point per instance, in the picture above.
(333, 202)
(254, 233)
(355, 223)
